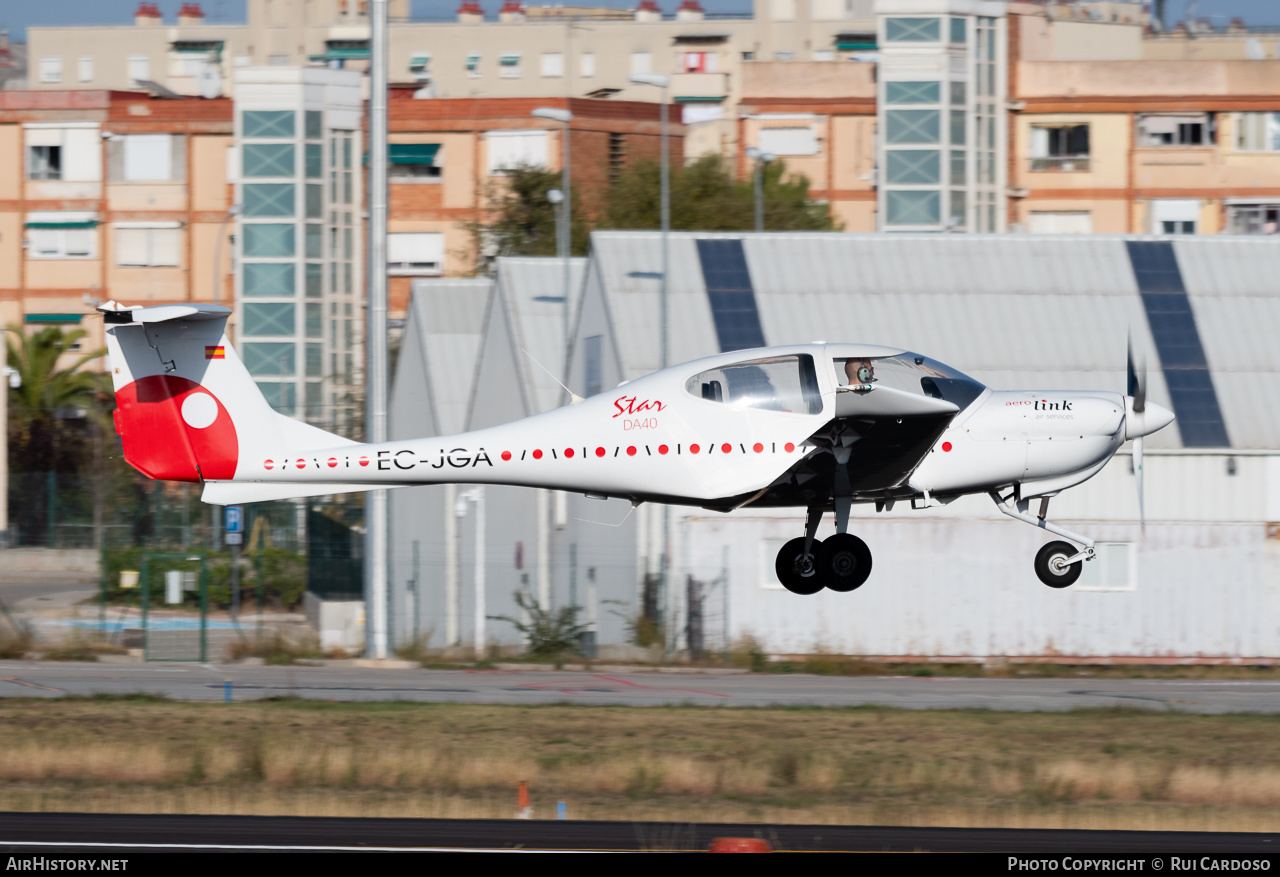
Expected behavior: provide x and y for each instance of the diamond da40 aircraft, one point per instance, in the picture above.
(815, 426)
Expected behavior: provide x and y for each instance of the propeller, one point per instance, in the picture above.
(1137, 391)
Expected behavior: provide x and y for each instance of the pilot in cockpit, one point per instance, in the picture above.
(859, 371)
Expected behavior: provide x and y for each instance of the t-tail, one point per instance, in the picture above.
(187, 409)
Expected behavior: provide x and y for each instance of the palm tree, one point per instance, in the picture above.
(44, 408)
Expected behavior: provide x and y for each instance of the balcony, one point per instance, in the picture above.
(1061, 164)
(697, 87)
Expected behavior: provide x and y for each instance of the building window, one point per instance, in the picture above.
(414, 162)
(147, 157)
(508, 150)
(959, 30)
(912, 126)
(785, 56)
(698, 62)
(1174, 215)
(269, 240)
(269, 318)
(587, 65)
(1258, 132)
(86, 69)
(148, 247)
(267, 160)
(269, 358)
(415, 254)
(1060, 222)
(139, 68)
(269, 279)
(909, 207)
(62, 243)
(472, 65)
(912, 92)
(267, 123)
(50, 69)
(268, 199)
(641, 62)
(281, 397)
(509, 65)
(798, 140)
(552, 65)
(913, 167)
(1253, 218)
(912, 30)
(1172, 130)
(44, 162)
(1060, 148)
(617, 155)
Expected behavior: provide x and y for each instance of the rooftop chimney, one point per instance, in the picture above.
(511, 12)
(648, 10)
(148, 15)
(470, 12)
(690, 10)
(190, 15)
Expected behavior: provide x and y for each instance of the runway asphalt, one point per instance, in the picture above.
(75, 833)
(197, 682)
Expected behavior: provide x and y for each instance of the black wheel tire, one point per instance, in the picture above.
(798, 573)
(1045, 565)
(844, 562)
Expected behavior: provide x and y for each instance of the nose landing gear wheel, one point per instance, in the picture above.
(1051, 569)
(844, 561)
(797, 571)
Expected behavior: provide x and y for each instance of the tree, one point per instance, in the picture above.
(47, 397)
(705, 197)
(523, 218)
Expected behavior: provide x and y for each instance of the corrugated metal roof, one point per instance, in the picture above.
(447, 316)
(1014, 311)
(531, 289)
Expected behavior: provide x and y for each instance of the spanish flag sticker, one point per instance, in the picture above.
(218, 352)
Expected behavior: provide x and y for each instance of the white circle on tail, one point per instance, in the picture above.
(199, 410)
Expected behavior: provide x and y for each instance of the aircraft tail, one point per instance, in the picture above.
(186, 406)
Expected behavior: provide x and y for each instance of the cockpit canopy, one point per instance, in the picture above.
(789, 383)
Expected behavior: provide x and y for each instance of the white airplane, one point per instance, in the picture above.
(815, 426)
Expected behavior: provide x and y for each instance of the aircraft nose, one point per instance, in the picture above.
(1157, 418)
(1152, 419)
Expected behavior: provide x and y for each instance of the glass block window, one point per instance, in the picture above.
(315, 241)
(315, 321)
(269, 318)
(912, 30)
(269, 358)
(912, 126)
(315, 200)
(913, 166)
(268, 160)
(315, 280)
(267, 123)
(269, 279)
(315, 160)
(268, 199)
(315, 360)
(912, 92)
(281, 397)
(913, 207)
(314, 124)
(268, 239)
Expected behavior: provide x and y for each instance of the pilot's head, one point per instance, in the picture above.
(859, 371)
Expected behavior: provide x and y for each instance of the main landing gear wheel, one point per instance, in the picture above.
(797, 571)
(844, 562)
(1052, 569)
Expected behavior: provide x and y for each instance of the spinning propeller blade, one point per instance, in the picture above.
(1137, 389)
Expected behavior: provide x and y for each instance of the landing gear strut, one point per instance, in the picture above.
(806, 565)
(1058, 564)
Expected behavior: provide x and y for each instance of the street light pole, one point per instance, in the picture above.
(761, 159)
(566, 117)
(658, 80)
